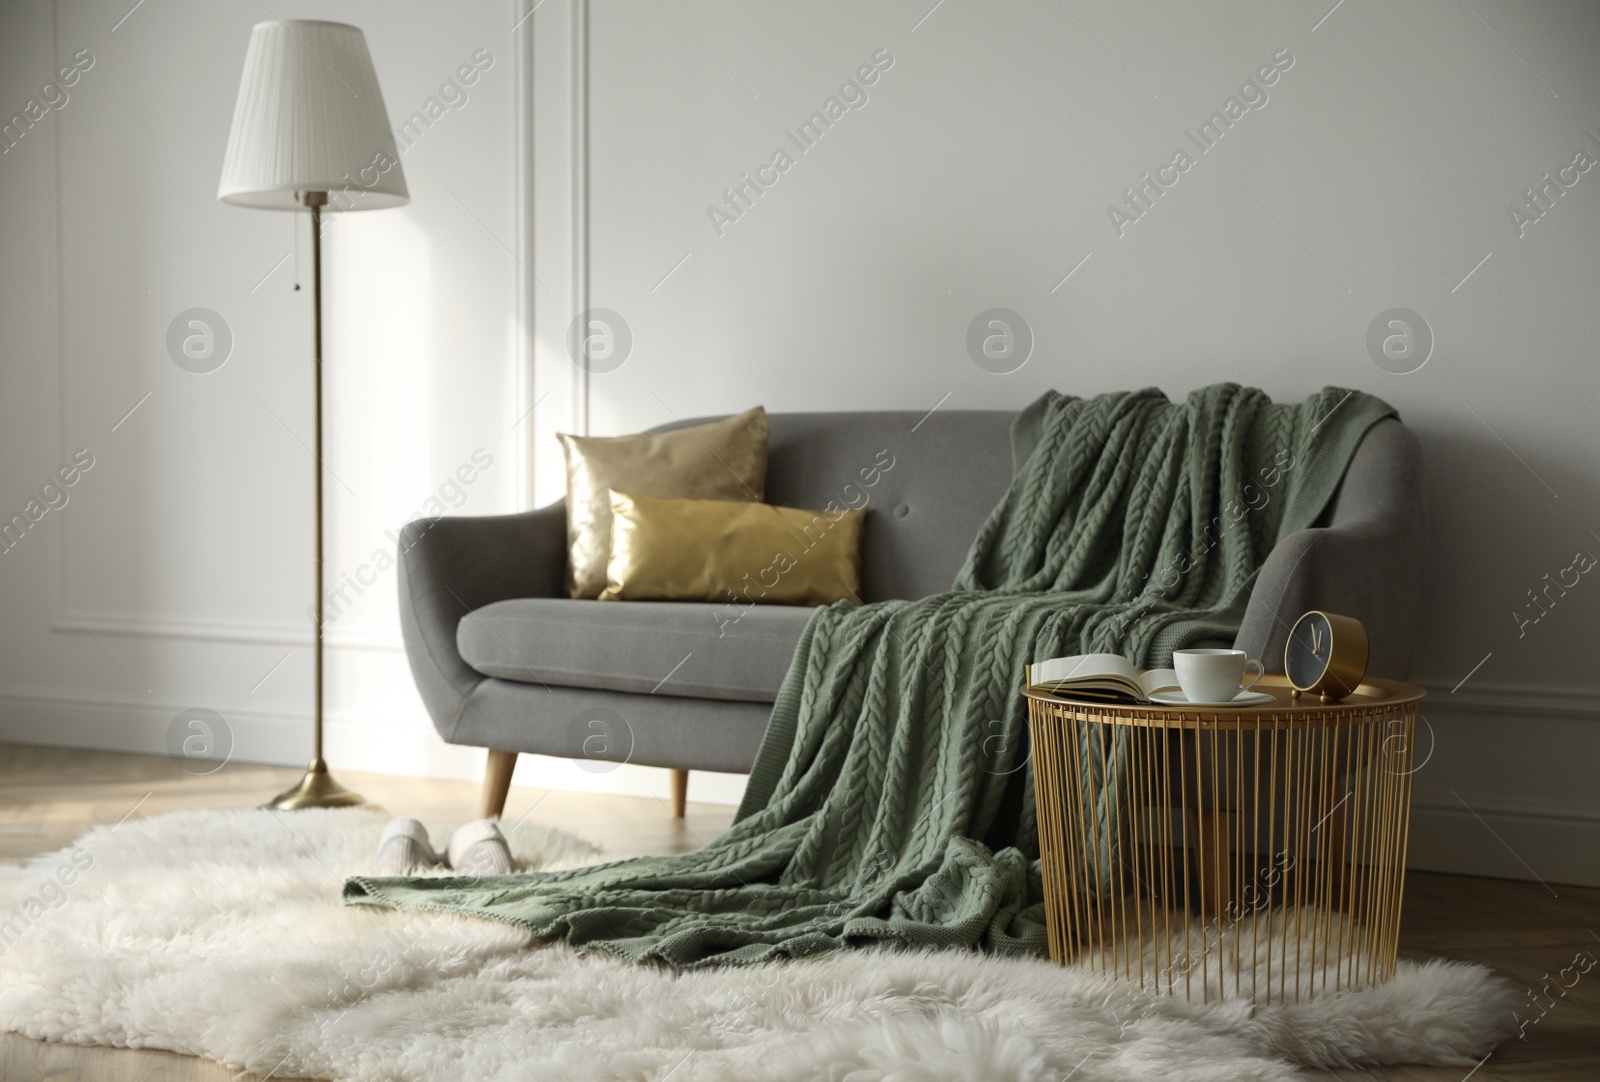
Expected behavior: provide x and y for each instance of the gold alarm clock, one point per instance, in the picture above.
(1326, 654)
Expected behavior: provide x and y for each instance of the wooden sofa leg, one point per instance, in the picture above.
(680, 792)
(496, 783)
(1213, 856)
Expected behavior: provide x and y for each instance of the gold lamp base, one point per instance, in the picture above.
(316, 790)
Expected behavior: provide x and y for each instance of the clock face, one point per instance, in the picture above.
(1309, 651)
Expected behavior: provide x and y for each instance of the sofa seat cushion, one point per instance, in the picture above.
(644, 647)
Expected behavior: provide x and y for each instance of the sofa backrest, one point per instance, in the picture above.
(927, 482)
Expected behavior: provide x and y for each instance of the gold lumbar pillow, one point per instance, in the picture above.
(724, 460)
(717, 550)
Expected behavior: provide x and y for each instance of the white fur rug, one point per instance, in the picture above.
(221, 934)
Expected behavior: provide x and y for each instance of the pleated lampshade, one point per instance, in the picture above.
(310, 118)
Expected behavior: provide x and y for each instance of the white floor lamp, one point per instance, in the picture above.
(310, 131)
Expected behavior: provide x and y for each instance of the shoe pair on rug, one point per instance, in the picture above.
(478, 848)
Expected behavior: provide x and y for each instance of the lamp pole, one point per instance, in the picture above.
(316, 789)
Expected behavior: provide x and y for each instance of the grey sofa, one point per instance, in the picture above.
(506, 662)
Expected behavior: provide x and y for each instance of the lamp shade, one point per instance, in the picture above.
(310, 118)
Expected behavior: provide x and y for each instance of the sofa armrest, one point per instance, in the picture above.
(1367, 562)
(451, 566)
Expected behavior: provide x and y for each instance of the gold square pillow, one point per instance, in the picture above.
(717, 550)
(724, 460)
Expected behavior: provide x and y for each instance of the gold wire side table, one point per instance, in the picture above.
(1225, 853)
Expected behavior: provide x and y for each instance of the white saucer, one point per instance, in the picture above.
(1178, 698)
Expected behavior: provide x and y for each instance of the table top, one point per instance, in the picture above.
(1373, 694)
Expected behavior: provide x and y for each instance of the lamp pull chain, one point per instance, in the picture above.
(294, 233)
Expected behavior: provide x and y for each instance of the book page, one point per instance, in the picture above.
(1154, 680)
(1084, 666)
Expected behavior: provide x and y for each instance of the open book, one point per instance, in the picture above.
(1103, 677)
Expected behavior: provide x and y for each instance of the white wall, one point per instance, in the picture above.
(177, 576)
(1376, 175)
(977, 175)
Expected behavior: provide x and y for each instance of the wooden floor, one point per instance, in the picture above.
(49, 796)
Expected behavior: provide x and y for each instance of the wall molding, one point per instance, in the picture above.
(245, 632)
(523, 347)
(1512, 807)
(101, 722)
(188, 629)
(79, 719)
(49, 695)
(1577, 704)
(1509, 839)
(558, 129)
(580, 196)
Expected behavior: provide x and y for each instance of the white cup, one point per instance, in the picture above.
(1214, 676)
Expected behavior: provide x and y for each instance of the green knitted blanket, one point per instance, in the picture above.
(891, 799)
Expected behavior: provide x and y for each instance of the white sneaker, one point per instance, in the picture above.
(404, 848)
(478, 848)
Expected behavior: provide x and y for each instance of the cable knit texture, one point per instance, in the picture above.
(892, 800)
